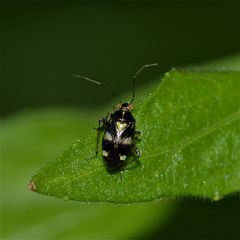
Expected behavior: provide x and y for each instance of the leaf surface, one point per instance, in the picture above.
(190, 145)
(27, 139)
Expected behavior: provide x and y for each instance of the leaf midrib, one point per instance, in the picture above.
(189, 139)
(200, 134)
(197, 136)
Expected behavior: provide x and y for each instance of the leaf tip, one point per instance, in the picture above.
(32, 186)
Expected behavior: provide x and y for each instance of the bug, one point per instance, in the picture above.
(119, 129)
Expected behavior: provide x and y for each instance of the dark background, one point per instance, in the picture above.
(44, 43)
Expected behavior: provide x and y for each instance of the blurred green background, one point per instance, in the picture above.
(44, 109)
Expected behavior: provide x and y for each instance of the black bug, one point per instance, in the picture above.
(120, 133)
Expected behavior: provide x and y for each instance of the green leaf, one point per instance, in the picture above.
(190, 146)
(27, 139)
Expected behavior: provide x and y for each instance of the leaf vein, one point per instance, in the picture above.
(200, 134)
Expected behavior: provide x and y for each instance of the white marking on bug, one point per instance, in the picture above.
(127, 141)
(123, 157)
(105, 154)
(108, 136)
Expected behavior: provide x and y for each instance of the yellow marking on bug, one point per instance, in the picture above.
(121, 126)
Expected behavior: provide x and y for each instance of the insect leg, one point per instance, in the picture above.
(137, 134)
(136, 152)
(98, 134)
(102, 123)
(120, 173)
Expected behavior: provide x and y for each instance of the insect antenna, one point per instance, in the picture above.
(137, 73)
(100, 84)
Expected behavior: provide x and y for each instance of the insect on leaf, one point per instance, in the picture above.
(190, 146)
